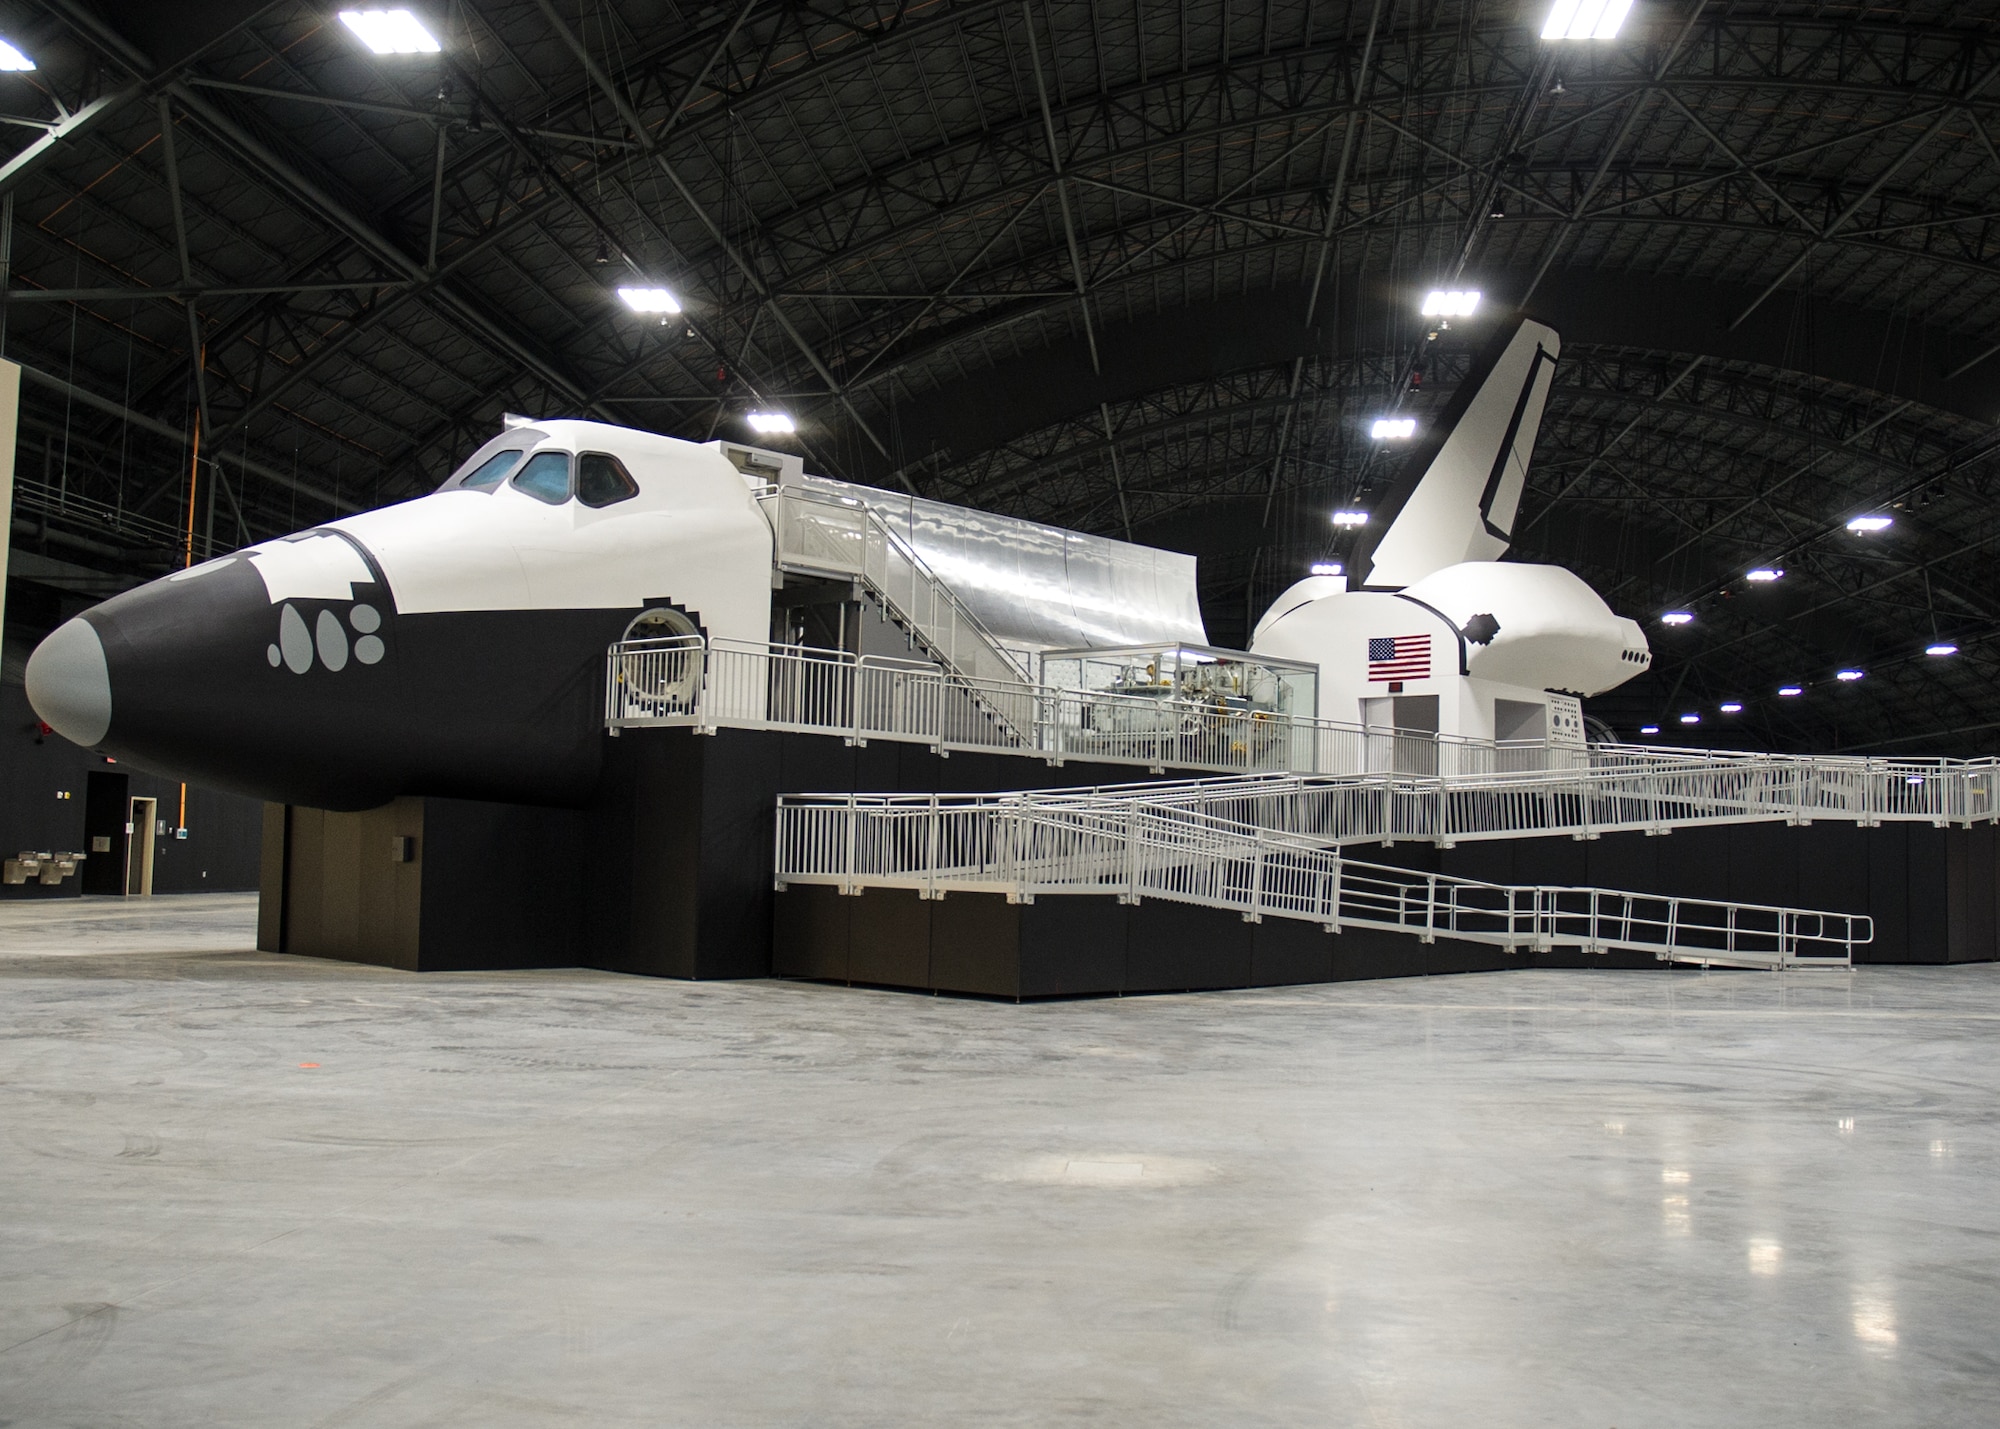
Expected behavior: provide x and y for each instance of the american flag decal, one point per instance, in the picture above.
(1399, 657)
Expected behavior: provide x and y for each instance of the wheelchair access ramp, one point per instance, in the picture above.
(1159, 851)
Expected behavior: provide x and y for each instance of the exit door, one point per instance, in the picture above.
(106, 812)
(139, 844)
(1401, 733)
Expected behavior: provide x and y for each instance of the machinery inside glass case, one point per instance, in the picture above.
(1178, 701)
(1202, 676)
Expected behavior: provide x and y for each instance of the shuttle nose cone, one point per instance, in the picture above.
(69, 685)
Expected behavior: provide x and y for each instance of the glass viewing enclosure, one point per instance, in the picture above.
(1180, 674)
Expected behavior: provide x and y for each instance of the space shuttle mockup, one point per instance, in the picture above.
(454, 644)
(1430, 631)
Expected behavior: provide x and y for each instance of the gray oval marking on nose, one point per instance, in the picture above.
(332, 642)
(369, 648)
(274, 657)
(294, 641)
(366, 619)
(69, 685)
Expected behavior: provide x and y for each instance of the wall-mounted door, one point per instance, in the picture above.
(1402, 733)
(1521, 734)
(141, 833)
(106, 810)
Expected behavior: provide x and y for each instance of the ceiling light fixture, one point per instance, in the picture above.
(1649, 729)
(1328, 568)
(1585, 19)
(1849, 675)
(1764, 574)
(1350, 518)
(391, 32)
(1862, 525)
(1393, 429)
(1943, 647)
(1677, 617)
(1451, 303)
(1690, 719)
(1789, 690)
(650, 300)
(770, 423)
(1732, 707)
(13, 61)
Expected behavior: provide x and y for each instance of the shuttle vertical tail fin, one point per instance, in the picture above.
(1461, 489)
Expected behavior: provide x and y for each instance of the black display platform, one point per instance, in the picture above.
(1071, 946)
(670, 873)
(1934, 895)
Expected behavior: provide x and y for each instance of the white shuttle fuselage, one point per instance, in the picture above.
(454, 644)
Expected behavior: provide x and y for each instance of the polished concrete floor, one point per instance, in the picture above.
(247, 1190)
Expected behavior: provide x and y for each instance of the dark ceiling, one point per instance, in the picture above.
(1132, 267)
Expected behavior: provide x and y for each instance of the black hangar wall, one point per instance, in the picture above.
(57, 798)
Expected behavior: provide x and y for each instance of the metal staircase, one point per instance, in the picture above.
(1145, 850)
(823, 535)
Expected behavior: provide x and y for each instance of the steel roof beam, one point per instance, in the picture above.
(694, 205)
(29, 161)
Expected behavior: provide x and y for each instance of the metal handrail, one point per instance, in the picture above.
(1162, 851)
(1581, 791)
(752, 684)
(1624, 795)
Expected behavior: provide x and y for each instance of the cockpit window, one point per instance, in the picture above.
(491, 472)
(601, 480)
(546, 477)
(515, 441)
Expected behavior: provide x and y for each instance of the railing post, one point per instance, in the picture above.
(856, 697)
(1430, 907)
(847, 883)
(1132, 852)
(931, 852)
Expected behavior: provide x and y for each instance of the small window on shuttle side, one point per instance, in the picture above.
(601, 480)
(546, 477)
(491, 472)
